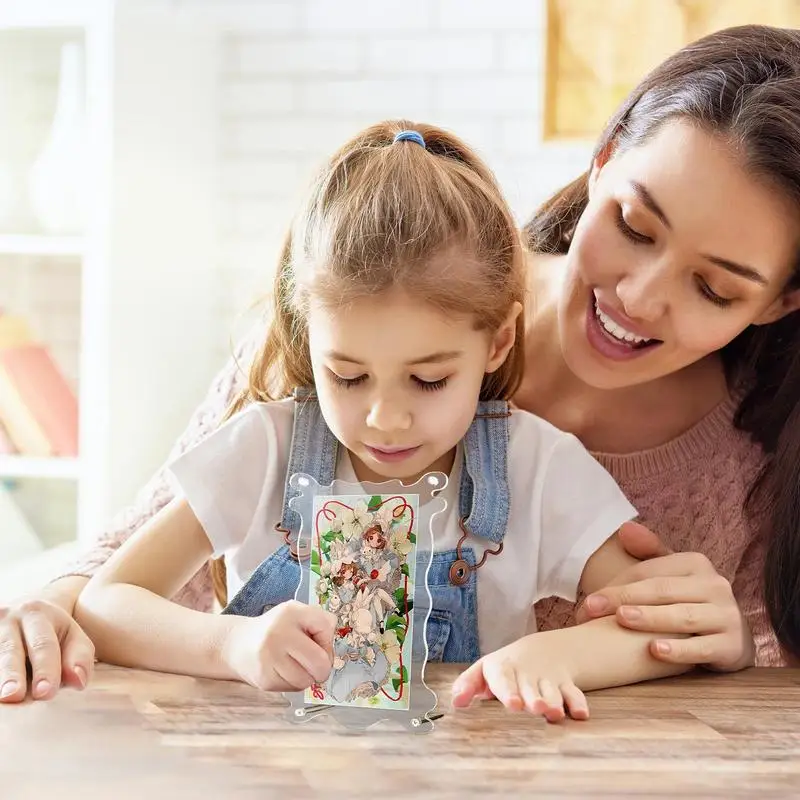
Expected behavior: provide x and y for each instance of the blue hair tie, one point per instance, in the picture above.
(409, 136)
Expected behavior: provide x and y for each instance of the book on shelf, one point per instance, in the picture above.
(38, 407)
(17, 538)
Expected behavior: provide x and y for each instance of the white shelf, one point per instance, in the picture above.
(25, 245)
(25, 467)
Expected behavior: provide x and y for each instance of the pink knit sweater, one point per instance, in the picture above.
(690, 491)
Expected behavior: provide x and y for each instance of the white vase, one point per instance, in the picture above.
(58, 176)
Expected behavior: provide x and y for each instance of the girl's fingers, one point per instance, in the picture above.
(531, 698)
(470, 685)
(13, 678)
(292, 673)
(501, 678)
(77, 658)
(44, 652)
(553, 701)
(312, 657)
(575, 701)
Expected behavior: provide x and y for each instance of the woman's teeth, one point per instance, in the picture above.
(617, 331)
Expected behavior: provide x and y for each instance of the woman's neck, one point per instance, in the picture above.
(606, 420)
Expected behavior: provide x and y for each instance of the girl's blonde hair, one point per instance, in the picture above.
(385, 214)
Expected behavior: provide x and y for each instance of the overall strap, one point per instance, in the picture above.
(314, 450)
(484, 496)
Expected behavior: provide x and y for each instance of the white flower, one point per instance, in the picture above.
(400, 544)
(338, 555)
(356, 520)
(325, 569)
(390, 647)
(336, 524)
(384, 517)
(323, 586)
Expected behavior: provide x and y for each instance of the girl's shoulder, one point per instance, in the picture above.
(524, 426)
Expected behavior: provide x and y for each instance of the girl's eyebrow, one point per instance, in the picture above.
(433, 358)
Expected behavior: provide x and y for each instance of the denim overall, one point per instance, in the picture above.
(452, 629)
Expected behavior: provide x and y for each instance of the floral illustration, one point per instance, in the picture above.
(363, 571)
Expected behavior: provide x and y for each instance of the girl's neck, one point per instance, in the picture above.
(606, 420)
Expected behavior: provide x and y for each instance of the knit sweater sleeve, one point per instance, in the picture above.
(157, 493)
(747, 587)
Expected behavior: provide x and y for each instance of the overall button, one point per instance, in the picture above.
(300, 552)
(459, 572)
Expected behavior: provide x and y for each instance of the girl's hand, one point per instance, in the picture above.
(286, 649)
(678, 593)
(529, 675)
(46, 635)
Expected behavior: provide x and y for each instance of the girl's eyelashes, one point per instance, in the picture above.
(346, 383)
(350, 383)
(630, 233)
(430, 386)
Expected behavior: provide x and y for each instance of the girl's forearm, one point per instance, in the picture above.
(133, 627)
(601, 654)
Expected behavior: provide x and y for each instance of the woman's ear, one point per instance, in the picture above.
(787, 303)
(503, 339)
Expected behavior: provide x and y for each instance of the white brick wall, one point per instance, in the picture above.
(294, 90)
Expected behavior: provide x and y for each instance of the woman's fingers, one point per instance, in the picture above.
(661, 590)
(714, 649)
(640, 542)
(691, 618)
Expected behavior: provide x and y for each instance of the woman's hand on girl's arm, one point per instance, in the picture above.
(678, 594)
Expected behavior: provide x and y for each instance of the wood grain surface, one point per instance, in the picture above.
(148, 736)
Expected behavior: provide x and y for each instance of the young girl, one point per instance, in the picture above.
(395, 345)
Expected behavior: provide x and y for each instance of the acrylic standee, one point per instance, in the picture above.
(364, 551)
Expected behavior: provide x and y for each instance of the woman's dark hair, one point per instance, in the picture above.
(742, 84)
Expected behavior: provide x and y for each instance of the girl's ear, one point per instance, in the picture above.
(503, 339)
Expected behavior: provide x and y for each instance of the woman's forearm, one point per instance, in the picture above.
(134, 627)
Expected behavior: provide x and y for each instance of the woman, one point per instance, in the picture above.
(666, 280)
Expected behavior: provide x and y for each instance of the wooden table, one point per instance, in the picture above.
(148, 736)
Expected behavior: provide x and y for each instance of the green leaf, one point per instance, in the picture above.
(400, 633)
(396, 684)
(412, 537)
(410, 606)
(315, 559)
(395, 622)
(374, 503)
(404, 569)
(400, 597)
(404, 675)
(315, 568)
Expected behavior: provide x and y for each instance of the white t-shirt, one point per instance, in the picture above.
(564, 506)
